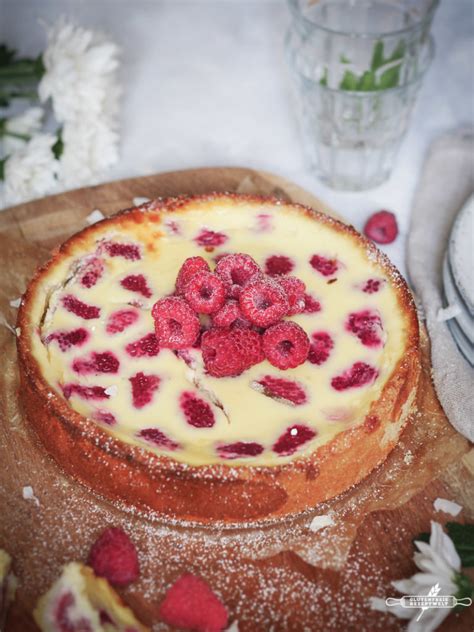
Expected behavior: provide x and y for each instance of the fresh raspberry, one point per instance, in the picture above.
(229, 352)
(114, 556)
(198, 413)
(325, 266)
(227, 314)
(158, 438)
(236, 271)
(382, 227)
(371, 286)
(286, 345)
(294, 289)
(292, 439)
(367, 326)
(320, 347)
(191, 604)
(146, 346)
(221, 255)
(311, 305)
(263, 302)
(176, 324)
(68, 339)
(143, 388)
(190, 267)
(358, 375)
(127, 251)
(91, 272)
(210, 239)
(105, 417)
(86, 392)
(278, 264)
(77, 307)
(136, 283)
(97, 363)
(240, 449)
(119, 321)
(205, 292)
(283, 390)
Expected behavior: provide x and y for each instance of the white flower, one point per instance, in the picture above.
(30, 172)
(27, 123)
(439, 563)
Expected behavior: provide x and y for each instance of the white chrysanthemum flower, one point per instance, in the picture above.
(81, 74)
(25, 124)
(439, 563)
(30, 172)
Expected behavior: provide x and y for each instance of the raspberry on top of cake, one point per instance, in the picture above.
(221, 329)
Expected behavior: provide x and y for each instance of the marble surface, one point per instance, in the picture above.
(206, 85)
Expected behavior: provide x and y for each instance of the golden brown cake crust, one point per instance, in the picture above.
(215, 493)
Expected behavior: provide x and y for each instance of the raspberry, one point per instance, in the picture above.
(285, 345)
(311, 305)
(367, 326)
(278, 264)
(120, 320)
(240, 449)
(86, 392)
(295, 292)
(263, 302)
(198, 413)
(146, 346)
(371, 286)
(205, 292)
(320, 348)
(104, 362)
(91, 272)
(292, 439)
(127, 251)
(210, 239)
(136, 283)
(68, 339)
(382, 227)
(325, 266)
(281, 389)
(113, 556)
(176, 325)
(227, 314)
(105, 417)
(77, 307)
(191, 604)
(358, 375)
(236, 271)
(143, 388)
(190, 267)
(158, 438)
(229, 352)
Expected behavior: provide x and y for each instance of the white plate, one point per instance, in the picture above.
(460, 249)
(463, 345)
(453, 297)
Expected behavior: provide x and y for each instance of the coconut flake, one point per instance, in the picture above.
(95, 216)
(28, 494)
(446, 313)
(137, 201)
(15, 303)
(319, 522)
(447, 506)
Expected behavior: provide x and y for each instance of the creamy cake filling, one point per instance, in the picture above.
(97, 348)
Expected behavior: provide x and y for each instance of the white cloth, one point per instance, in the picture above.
(447, 180)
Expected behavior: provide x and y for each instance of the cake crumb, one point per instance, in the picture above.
(95, 216)
(15, 303)
(28, 494)
(447, 506)
(138, 201)
(319, 522)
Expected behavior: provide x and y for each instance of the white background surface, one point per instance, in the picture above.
(206, 85)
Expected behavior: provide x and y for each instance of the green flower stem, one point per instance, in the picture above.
(465, 587)
(24, 137)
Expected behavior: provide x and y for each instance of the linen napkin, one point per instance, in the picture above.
(447, 180)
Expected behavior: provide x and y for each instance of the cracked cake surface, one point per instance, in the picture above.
(88, 330)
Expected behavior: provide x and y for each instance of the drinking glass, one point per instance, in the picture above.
(357, 69)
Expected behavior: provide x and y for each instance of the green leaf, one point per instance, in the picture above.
(377, 56)
(462, 536)
(344, 60)
(367, 82)
(389, 78)
(324, 79)
(465, 588)
(398, 52)
(424, 537)
(2, 167)
(6, 55)
(58, 146)
(39, 67)
(349, 81)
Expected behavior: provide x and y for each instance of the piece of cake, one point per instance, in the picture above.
(78, 600)
(155, 395)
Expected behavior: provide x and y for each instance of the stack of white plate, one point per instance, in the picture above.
(458, 280)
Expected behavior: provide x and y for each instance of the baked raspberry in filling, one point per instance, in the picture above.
(232, 340)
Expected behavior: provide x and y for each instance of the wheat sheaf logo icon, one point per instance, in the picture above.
(431, 600)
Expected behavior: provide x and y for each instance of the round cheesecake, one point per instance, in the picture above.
(153, 427)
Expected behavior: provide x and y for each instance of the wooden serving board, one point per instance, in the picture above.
(280, 591)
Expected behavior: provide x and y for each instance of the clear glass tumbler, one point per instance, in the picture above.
(357, 68)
